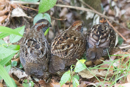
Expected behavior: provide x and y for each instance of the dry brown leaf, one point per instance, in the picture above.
(2, 5)
(56, 84)
(104, 65)
(18, 12)
(99, 61)
(4, 11)
(18, 73)
(90, 74)
(17, 83)
(63, 12)
(111, 12)
(88, 63)
(2, 18)
(1, 85)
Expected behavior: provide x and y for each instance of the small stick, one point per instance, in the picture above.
(72, 7)
(117, 31)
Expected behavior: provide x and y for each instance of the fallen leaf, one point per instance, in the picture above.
(94, 72)
(18, 12)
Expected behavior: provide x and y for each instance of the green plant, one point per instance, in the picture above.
(70, 76)
(26, 83)
(7, 51)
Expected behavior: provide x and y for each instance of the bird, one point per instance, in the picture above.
(67, 47)
(35, 50)
(100, 40)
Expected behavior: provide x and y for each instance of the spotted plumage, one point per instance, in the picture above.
(100, 38)
(67, 47)
(34, 50)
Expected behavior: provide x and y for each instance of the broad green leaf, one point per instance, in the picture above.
(76, 76)
(30, 0)
(45, 5)
(41, 16)
(2, 35)
(75, 82)
(47, 16)
(65, 77)
(37, 17)
(5, 52)
(2, 43)
(6, 77)
(80, 65)
(9, 30)
(6, 60)
(14, 47)
(7, 68)
(14, 38)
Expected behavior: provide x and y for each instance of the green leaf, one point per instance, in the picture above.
(8, 30)
(47, 16)
(46, 32)
(21, 66)
(76, 76)
(45, 5)
(75, 82)
(6, 60)
(2, 43)
(27, 84)
(14, 38)
(5, 52)
(30, 0)
(65, 77)
(80, 65)
(14, 47)
(2, 35)
(120, 40)
(6, 77)
(7, 68)
(42, 16)
(37, 17)
(32, 83)
(14, 63)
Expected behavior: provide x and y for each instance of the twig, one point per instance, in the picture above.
(29, 8)
(107, 21)
(116, 30)
(103, 14)
(124, 47)
(78, 8)
(67, 6)
(87, 5)
(94, 11)
(58, 18)
(73, 7)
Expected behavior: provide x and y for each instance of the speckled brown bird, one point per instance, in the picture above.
(100, 38)
(67, 47)
(35, 52)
